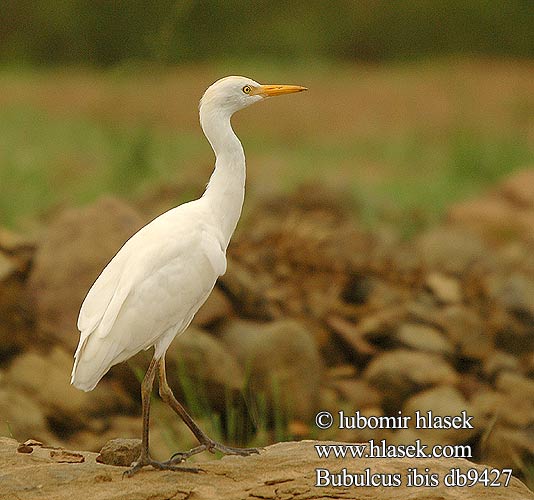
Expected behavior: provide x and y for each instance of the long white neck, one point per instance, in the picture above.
(226, 188)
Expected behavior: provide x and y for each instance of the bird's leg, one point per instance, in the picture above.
(206, 443)
(144, 459)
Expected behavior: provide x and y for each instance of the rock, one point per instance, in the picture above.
(519, 189)
(491, 217)
(424, 338)
(500, 361)
(22, 417)
(442, 401)
(400, 372)
(16, 317)
(506, 447)
(527, 365)
(516, 294)
(466, 330)
(216, 308)
(344, 371)
(516, 385)
(282, 361)
(101, 430)
(65, 406)
(23, 448)
(446, 289)
(503, 409)
(205, 362)
(66, 457)
(357, 392)
(450, 250)
(76, 247)
(247, 291)
(7, 267)
(281, 471)
(371, 329)
(120, 451)
(14, 243)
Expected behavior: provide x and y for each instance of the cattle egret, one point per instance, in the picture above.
(152, 288)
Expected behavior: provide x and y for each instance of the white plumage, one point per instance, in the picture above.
(151, 290)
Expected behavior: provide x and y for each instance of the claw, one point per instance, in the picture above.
(145, 461)
(212, 447)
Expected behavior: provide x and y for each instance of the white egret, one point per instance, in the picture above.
(152, 288)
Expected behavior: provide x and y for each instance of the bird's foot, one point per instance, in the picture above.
(212, 447)
(144, 461)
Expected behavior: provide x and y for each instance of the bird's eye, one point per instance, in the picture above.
(247, 89)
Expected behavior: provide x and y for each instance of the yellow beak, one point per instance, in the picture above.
(274, 90)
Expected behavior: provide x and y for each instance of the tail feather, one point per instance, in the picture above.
(92, 360)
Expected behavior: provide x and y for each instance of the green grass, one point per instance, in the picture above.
(46, 161)
(62, 146)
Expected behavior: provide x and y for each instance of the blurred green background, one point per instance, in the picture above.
(412, 104)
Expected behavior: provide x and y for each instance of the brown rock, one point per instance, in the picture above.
(281, 471)
(442, 401)
(465, 329)
(445, 288)
(99, 431)
(16, 317)
(22, 417)
(120, 451)
(14, 243)
(357, 392)
(519, 189)
(66, 457)
(450, 250)
(7, 267)
(516, 294)
(503, 409)
(398, 373)
(343, 371)
(207, 363)
(505, 447)
(24, 449)
(371, 328)
(283, 361)
(63, 404)
(500, 361)
(515, 385)
(216, 308)
(76, 247)
(424, 338)
(491, 217)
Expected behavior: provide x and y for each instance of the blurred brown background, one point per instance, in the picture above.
(384, 261)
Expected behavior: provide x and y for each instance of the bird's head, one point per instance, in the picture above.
(232, 93)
